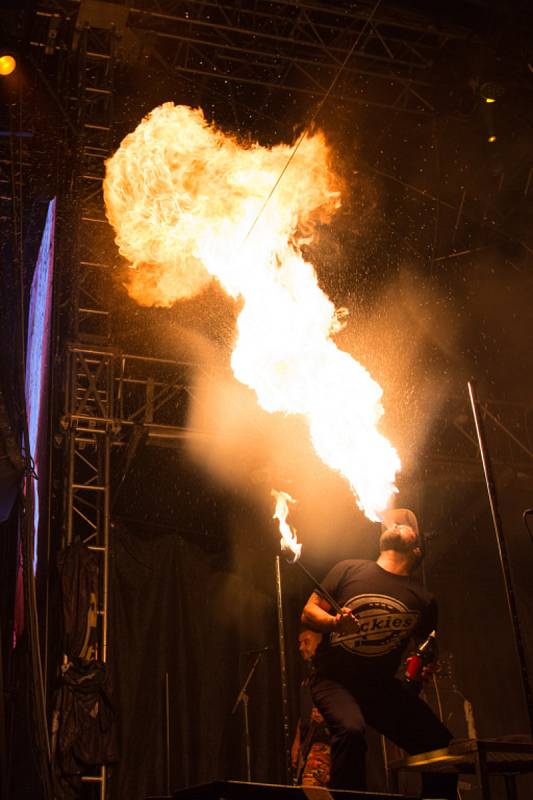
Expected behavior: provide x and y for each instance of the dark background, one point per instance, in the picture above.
(432, 255)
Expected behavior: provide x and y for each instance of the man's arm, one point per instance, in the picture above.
(295, 749)
(317, 614)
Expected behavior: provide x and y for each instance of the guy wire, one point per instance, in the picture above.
(314, 116)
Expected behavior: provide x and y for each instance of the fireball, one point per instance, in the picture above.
(190, 204)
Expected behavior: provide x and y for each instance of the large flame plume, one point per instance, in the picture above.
(187, 202)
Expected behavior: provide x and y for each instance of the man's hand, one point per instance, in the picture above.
(295, 748)
(319, 615)
(294, 756)
(346, 622)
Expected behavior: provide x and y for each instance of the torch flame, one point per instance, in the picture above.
(289, 542)
(187, 202)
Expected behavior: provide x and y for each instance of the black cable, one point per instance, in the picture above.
(525, 515)
(315, 114)
(31, 618)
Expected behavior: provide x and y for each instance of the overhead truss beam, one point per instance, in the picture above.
(284, 46)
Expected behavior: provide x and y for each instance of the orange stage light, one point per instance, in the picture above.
(7, 64)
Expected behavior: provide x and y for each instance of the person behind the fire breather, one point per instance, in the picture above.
(354, 680)
(311, 748)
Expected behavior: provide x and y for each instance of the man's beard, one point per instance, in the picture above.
(393, 540)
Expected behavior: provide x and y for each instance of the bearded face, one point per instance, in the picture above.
(403, 539)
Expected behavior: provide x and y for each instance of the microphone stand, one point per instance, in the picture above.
(243, 698)
(503, 552)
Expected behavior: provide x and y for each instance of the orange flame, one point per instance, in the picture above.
(289, 542)
(187, 202)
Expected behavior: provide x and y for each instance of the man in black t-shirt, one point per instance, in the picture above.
(362, 647)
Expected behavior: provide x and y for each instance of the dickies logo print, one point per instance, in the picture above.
(385, 624)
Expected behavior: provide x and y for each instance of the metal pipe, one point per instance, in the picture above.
(103, 784)
(71, 455)
(283, 673)
(167, 733)
(105, 543)
(502, 550)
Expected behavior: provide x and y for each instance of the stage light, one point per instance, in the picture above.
(7, 64)
(491, 91)
(491, 138)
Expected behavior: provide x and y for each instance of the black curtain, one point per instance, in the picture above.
(180, 611)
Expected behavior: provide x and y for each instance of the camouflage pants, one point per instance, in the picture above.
(317, 766)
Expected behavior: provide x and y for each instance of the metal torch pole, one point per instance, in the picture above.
(320, 589)
(502, 550)
(283, 673)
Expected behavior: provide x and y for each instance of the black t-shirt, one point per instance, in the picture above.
(391, 609)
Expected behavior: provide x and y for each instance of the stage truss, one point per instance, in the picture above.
(283, 47)
(110, 399)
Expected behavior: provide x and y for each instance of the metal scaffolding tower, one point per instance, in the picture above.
(87, 421)
(107, 395)
(110, 398)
